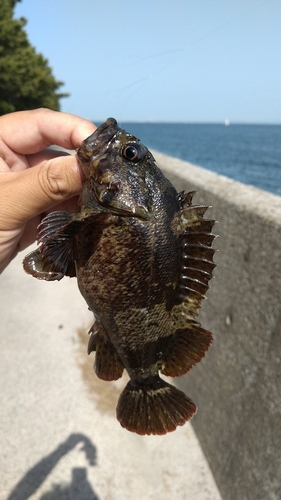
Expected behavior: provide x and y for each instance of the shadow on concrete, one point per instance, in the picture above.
(79, 486)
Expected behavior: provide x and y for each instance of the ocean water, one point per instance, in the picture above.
(247, 153)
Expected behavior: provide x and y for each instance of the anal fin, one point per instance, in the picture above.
(107, 365)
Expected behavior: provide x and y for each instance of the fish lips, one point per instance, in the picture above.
(99, 142)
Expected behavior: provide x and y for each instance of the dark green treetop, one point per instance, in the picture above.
(26, 79)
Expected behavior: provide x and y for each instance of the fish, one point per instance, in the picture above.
(143, 257)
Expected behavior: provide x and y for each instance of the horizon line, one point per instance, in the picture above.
(181, 122)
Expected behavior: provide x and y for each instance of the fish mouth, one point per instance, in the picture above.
(100, 139)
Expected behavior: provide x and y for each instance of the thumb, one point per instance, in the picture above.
(27, 193)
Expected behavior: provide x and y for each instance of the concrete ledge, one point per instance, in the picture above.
(237, 386)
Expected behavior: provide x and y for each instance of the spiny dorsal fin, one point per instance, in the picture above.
(189, 342)
(197, 262)
(186, 198)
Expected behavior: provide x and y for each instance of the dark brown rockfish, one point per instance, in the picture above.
(143, 259)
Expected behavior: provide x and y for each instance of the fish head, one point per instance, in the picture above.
(119, 169)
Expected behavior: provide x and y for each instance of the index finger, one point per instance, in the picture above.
(27, 132)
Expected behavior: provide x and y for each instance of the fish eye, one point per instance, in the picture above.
(132, 152)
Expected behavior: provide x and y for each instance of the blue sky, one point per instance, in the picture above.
(162, 60)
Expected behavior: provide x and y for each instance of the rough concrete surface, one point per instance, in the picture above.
(59, 437)
(237, 386)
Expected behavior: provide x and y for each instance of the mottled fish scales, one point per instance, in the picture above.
(143, 257)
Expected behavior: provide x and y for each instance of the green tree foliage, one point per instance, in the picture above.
(26, 80)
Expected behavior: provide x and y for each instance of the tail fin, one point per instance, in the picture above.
(153, 407)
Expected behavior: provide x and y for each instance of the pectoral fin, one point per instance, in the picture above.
(44, 269)
(54, 258)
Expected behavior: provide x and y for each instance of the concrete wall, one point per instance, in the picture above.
(237, 387)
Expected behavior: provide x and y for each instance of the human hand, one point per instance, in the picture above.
(55, 179)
